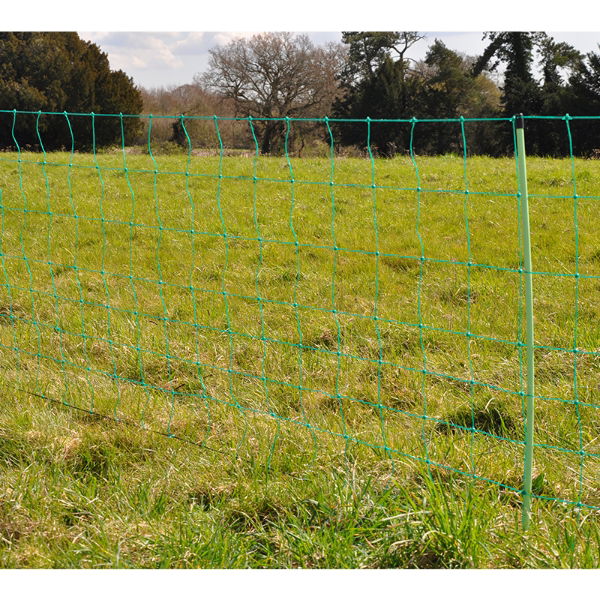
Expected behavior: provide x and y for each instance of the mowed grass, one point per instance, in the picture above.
(349, 404)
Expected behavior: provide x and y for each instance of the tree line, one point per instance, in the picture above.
(271, 76)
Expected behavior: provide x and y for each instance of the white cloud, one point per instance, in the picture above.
(133, 51)
(224, 37)
(138, 63)
(192, 43)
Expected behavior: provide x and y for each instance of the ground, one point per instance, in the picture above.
(252, 366)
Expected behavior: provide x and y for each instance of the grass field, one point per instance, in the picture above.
(349, 404)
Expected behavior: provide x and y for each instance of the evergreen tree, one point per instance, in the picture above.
(520, 92)
(57, 72)
(564, 86)
(584, 100)
(450, 90)
(557, 59)
(378, 83)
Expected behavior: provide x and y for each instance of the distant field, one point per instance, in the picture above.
(292, 330)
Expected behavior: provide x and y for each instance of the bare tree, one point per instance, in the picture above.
(275, 75)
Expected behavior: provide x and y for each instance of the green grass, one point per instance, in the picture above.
(313, 422)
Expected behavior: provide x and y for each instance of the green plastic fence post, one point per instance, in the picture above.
(530, 381)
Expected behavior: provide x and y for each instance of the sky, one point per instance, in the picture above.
(156, 59)
(162, 44)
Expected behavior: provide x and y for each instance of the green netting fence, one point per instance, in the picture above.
(320, 302)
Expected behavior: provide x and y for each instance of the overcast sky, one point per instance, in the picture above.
(173, 58)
